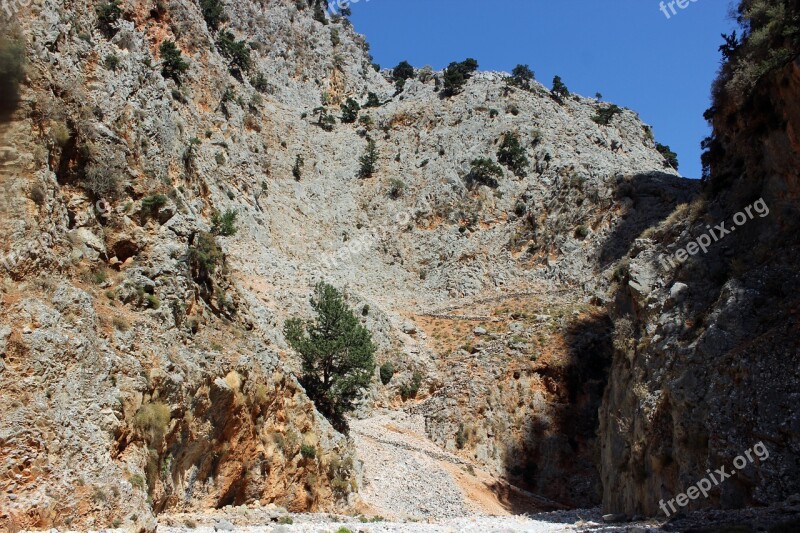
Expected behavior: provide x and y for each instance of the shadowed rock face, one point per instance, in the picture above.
(707, 351)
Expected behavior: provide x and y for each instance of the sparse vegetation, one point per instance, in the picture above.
(396, 188)
(107, 15)
(559, 89)
(387, 372)
(513, 155)
(484, 172)
(336, 353)
(224, 224)
(325, 120)
(522, 76)
(670, 157)
(605, 114)
(457, 74)
(350, 109)
(308, 451)
(205, 256)
(368, 160)
(152, 420)
(172, 63)
(297, 169)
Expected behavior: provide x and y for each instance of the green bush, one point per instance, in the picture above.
(368, 160)
(559, 89)
(308, 451)
(350, 111)
(605, 114)
(213, 13)
(224, 224)
(513, 155)
(12, 72)
(205, 256)
(484, 172)
(107, 15)
(259, 82)
(172, 66)
(372, 100)
(456, 75)
(151, 204)
(237, 52)
(111, 62)
(319, 14)
(403, 71)
(336, 352)
(522, 76)
(670, 157)
(325, 120)
(387, 371)
(581, 232)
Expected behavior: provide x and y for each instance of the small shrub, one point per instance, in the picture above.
(387, 372)
(111, 62)
(308, 451)
(151, 204)
(410, 390)
(372, 100)
(520, 209)
(325, 120)
(604, 115)
(484, 172)
(319, 14)
(368, 160)
(559, 89)
(224, 224)
(286, 520)
(396, 188)
(335, 39)
(581, 232)
(152, 301)
(494, 113)
(670, 157)
(522, 76)
(107, 16)
(213, 13)
(205, 256)
(513, 155)
(343, 530)
(259, 82)
(350, 111)
(297, 169)
(152, 420)
(237, 52)
(137, 481)
(120, 323)
(172, 66)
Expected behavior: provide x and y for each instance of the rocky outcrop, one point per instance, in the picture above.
(706, 345)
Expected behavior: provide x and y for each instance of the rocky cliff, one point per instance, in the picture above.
(143, 364)
(706, 344)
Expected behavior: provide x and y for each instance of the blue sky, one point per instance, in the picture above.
(628, 50)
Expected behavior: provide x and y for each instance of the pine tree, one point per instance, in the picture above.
(336, 351)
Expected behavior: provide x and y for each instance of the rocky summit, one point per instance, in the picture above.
(543, 326)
